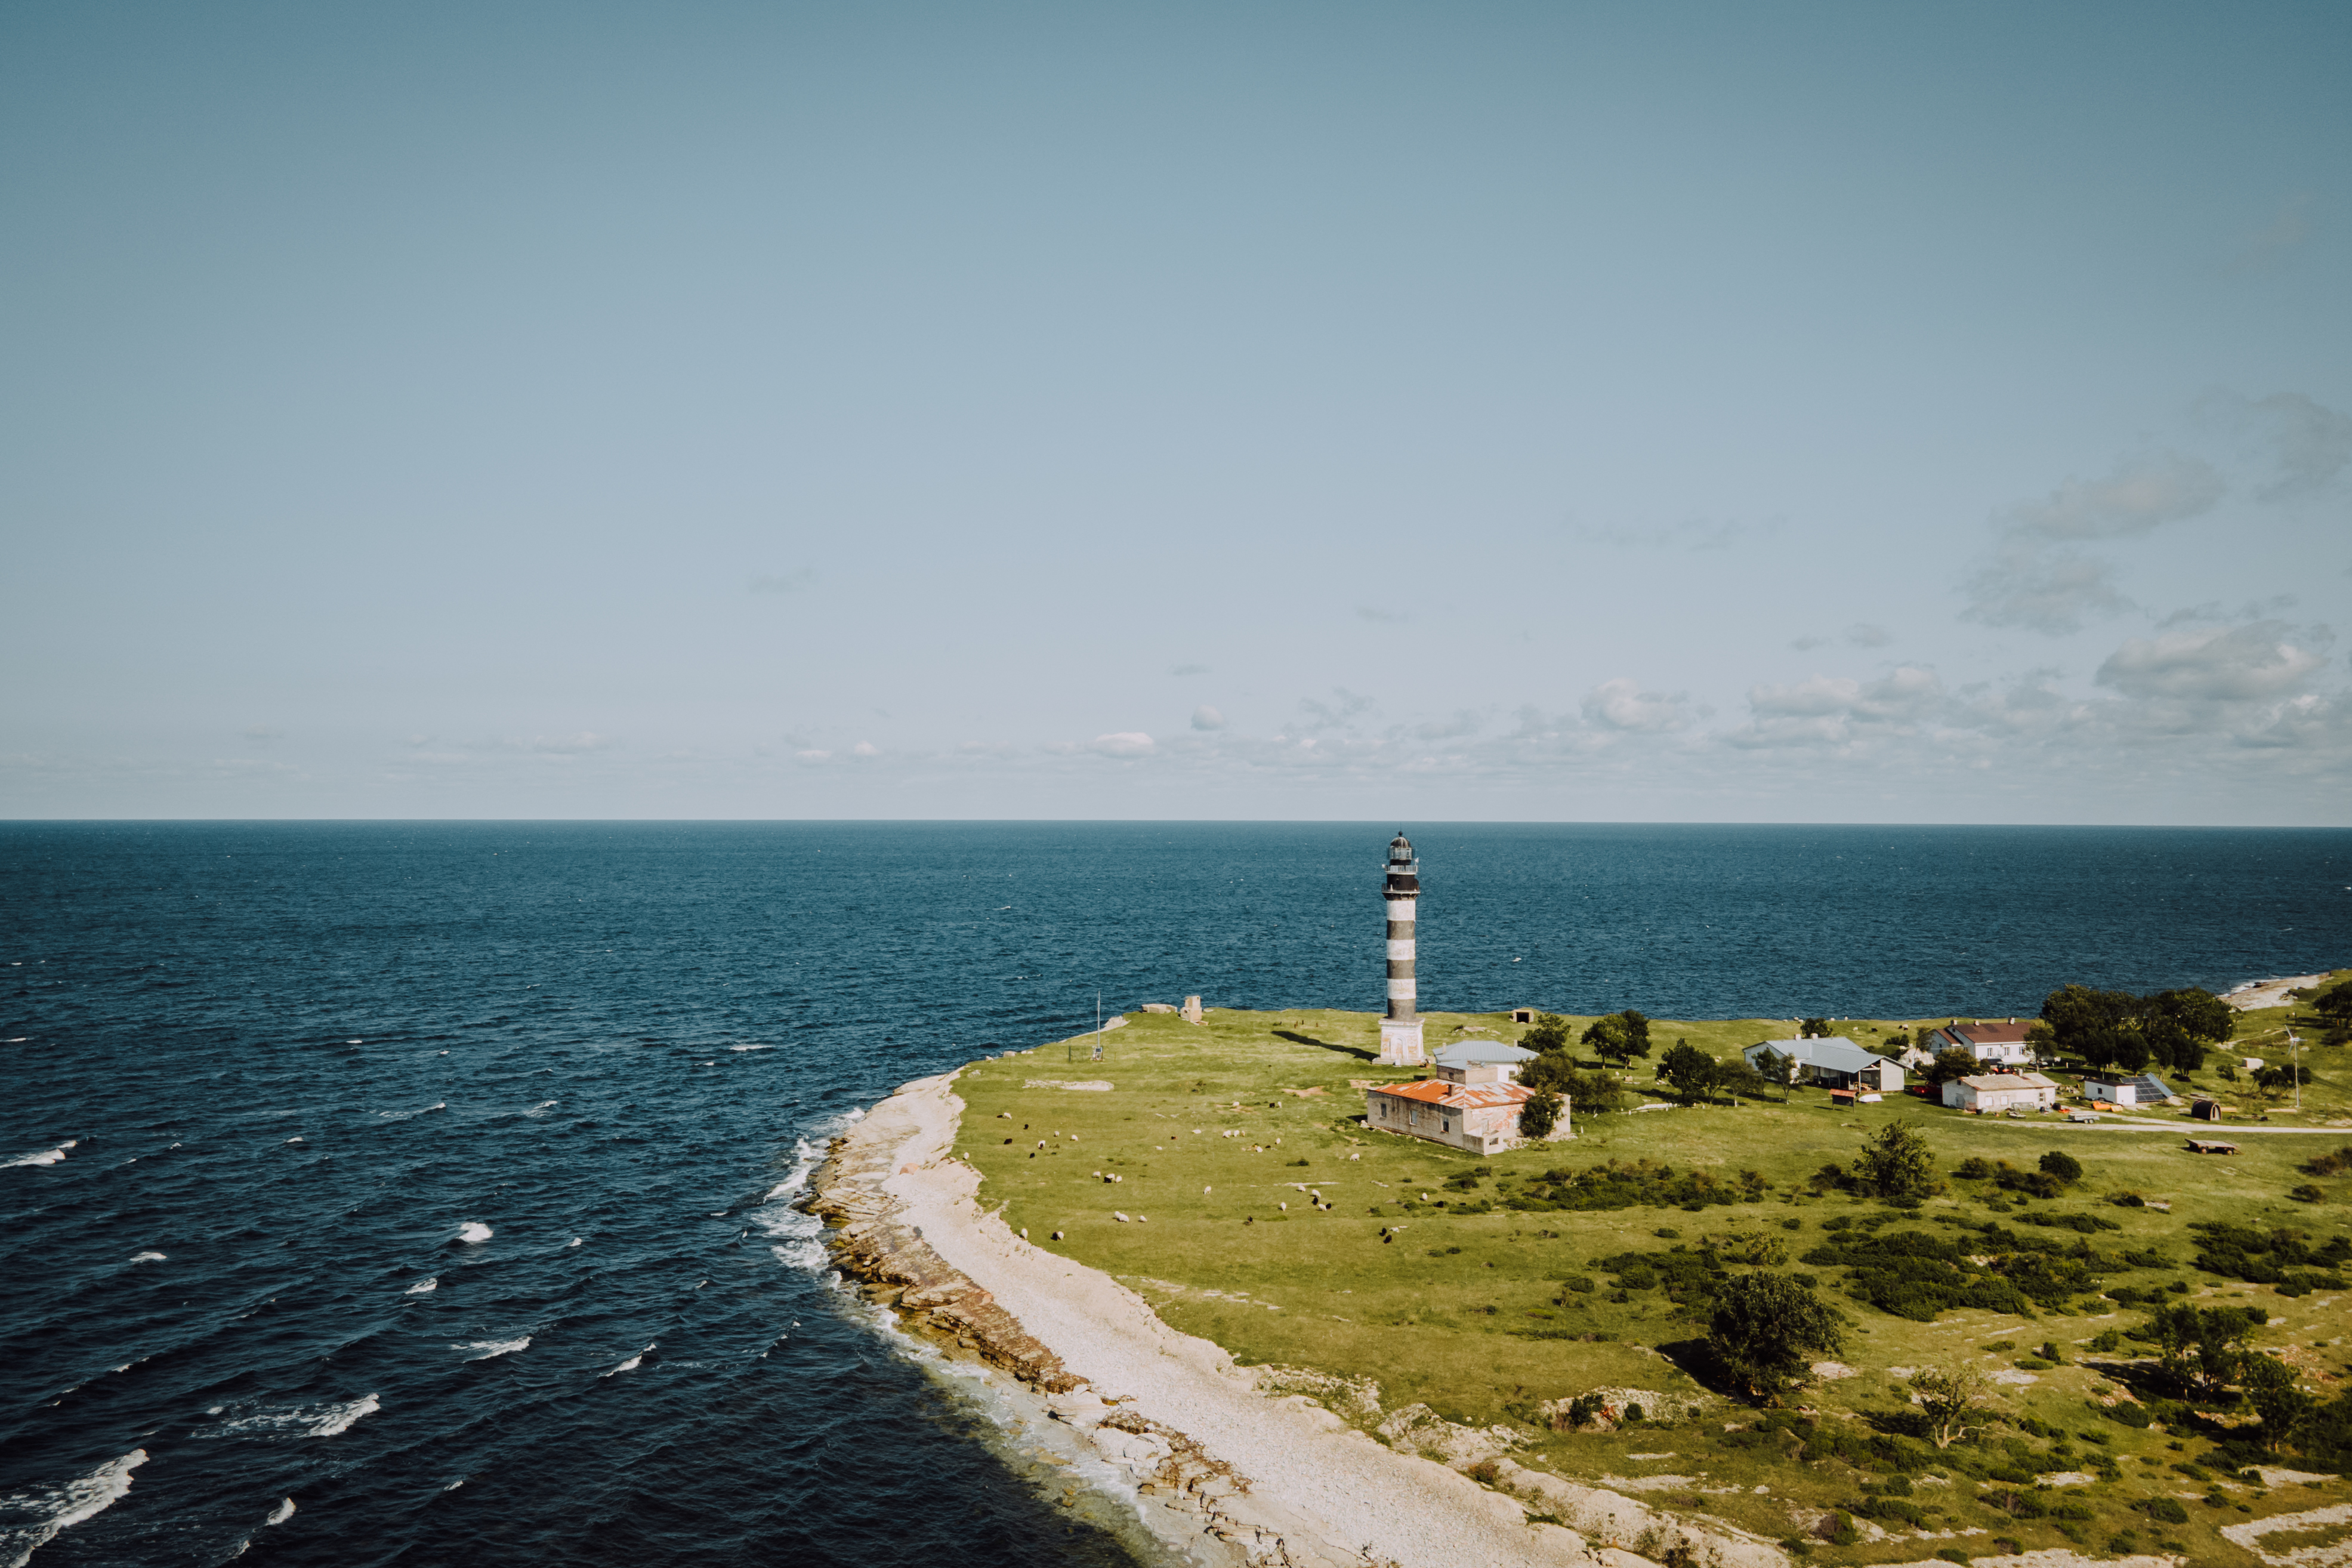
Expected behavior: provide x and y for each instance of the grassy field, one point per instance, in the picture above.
(1262, 1216)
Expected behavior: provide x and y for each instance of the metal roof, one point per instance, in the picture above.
(1838, 1055)
(1459, 1097)
(1470, 1053)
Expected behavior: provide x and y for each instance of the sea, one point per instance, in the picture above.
(408, 1193)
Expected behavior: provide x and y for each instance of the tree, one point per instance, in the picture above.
(2169, 1044)
(1897, 1163)
(1539, 1115)
(2201, 1349)
(1692, 1071)
(2270, 1387)
(1771, 1067)
(2131, 1050)
(1550, 1034)
(1583, 1091)
(1947, 1399)
(2202, 1016)
(2063, 1165)
(2042, 1041)
(2077, 1013)
(1619, 1037)
(1814, 1030)
(1767, 1329)
(1951, 1062)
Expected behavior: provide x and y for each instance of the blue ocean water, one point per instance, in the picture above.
(266, 1083)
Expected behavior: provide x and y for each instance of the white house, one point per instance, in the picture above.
(2114, 1091)
(1482, 1118)
(1996, 1040)
(1832, 1063)
(2001, 1091)
(1482, 1061)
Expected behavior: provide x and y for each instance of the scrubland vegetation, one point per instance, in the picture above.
(2000, 1331)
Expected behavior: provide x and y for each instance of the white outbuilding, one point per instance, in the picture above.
(1997, 1091)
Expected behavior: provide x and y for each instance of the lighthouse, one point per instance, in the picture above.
(1400, 1031)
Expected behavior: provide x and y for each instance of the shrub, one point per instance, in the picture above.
(2063, 1165)
(2167, 1509)
(2334, 1164)
(2306, 1193)
(1954, 1554)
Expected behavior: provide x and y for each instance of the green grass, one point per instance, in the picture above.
(1467, 1312)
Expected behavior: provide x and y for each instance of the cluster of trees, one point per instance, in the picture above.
(2116, 1029)
(2334, 1007)
(1555, 1073)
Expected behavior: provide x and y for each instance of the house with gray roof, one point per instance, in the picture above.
(1481, 1061)
(1832, 1063)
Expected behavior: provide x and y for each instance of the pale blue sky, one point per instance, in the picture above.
(1729, 412)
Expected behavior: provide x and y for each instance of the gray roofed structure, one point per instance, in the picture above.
(1472, 1053)
(1837, 1055)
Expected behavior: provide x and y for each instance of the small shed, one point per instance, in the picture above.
(1522, 1014)
(2210, 1146)
(2206, 1109)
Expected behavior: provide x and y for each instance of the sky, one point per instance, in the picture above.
(1465, 412)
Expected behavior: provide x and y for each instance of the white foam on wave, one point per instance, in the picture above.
(541, 1108)
(319, 1421)
(634, 1362)
(298, 1138)
(572, 1242)
(146, 1258)
(489, 1350)
(68, 1505)
(422, 1287)
(750, 1047)
(795, 1236)
(474, 1231)
(281, 1513)
(47, 1157)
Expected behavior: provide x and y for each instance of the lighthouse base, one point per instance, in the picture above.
(1401, 1043)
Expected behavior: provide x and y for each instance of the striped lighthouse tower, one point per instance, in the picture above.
(1400, 1031)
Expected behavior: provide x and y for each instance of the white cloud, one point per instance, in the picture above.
(2311, 441)
(1838, 710)
(2141, 495)
(1125, 743)
(1207, 718)
(1622, 704)
(2030, 585)
(865, 749)
(569, 745)
(2235, 664)
(2275, 239)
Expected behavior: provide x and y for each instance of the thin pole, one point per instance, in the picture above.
(2295, 1041)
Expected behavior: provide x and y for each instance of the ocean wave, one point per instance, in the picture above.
(405, 1115)
(422, 1287)
(474, 1231)
(634, 1362)
(318, 1421)
(47, 1157)
(490, 1349)
(750, 1047)
(281, 1513)
(147, 1258)
(68, 1505)
(542, 1108)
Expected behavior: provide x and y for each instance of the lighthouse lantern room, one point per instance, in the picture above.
(1401, 1029)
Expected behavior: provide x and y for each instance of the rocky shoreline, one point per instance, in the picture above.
(1221, 1466)
(1187, 1498)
